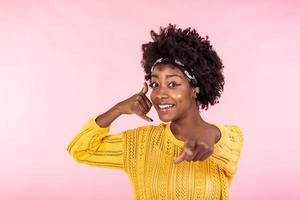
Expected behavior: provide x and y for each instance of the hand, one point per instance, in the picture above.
(138, 104)
(198, 147)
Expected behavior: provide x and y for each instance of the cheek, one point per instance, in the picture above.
(182, 98)
(178, 97)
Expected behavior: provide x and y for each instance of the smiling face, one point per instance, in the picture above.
(172, 95)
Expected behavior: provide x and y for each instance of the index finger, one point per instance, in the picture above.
(180, 158)
(184, 154)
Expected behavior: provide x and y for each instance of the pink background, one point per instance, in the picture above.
(62, 63)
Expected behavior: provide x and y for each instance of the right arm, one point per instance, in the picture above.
(93, 146)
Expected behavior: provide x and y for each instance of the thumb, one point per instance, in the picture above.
(145, 88)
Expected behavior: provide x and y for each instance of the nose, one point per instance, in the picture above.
(162, 93)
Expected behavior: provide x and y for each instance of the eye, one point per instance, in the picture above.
(172, 84)
(153, 85)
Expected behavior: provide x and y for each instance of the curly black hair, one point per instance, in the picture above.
(195, 52)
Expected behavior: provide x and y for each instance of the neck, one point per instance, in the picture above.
(187, 123)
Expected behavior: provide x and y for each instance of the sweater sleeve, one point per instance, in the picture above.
(227, 150)
(93, 146)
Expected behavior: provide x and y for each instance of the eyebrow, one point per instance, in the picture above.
(168, 76)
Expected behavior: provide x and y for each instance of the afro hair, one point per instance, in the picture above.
(195, 52)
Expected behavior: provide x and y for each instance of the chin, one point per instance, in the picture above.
(165, 118)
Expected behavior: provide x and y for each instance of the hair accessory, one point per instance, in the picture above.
(156, 62)
(179, 63)
(188, 73)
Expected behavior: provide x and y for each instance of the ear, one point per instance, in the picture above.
(194, 95)
(195, 92)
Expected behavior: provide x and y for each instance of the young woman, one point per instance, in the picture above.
(184, 157)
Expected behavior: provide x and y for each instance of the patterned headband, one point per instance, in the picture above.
(189, 74)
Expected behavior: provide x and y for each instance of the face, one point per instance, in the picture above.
(171, 95)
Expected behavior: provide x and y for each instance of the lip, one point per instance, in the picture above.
(165, 110)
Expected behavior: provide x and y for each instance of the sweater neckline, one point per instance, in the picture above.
(169, 134)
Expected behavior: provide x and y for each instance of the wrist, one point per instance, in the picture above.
(118, 108)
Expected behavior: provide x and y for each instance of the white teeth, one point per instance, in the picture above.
(165, 106)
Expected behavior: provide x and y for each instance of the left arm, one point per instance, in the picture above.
(227, 150)
(224, 151)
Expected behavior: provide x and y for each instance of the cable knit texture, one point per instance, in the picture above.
(146, 155)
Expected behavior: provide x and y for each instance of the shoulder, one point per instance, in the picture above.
(235, 133)
(145, 129)
(231, 135)
(143, 134)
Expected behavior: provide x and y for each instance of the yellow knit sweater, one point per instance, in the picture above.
(147, 153)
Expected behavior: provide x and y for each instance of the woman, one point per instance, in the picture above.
(186, 157)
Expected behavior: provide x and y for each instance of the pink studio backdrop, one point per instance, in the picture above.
(62, 63)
